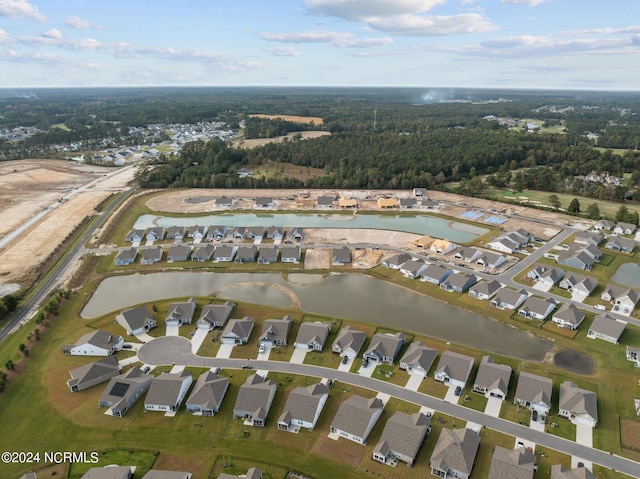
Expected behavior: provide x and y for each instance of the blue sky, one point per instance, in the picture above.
(567, 44)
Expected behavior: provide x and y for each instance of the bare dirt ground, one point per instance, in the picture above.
(29, 186)
(254, 142)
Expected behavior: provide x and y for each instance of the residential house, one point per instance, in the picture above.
(606, 328)
(484, 290)
(276, 331)
(349, 342)
(420, 193)
(467, 254)
(396, 261)
(136, 320)
(178, 252)
(217, 232)
(578, 283)
(294, 234)
(589, 237)
(459, 282)
(224, 202)
(624, 245)
(492, 379)
(237, 331)
(134, 236)
(275, 232)
(545, 274)
(508, 298)
(384, 347)
(223, 254)
(356, 417)
(623, 299)
(312, 336)
(252, 473)
(303, 407)
(580, 256)
(633, 355)
(559, 472)
(126, 257)
(454, 453)
(175, 233)
(181, 313)
(624, 228)
(402, 438)
(237, 233)
(151, 255)
(606, 225)
(534, 392)
(267, 255)
(568, 316)
(453, 368)
(215, 315)
(408, 203)
(264, 203)
(256, 232)
(160, 474)
(254, 400)
(430, 204)
(93, 373)
(167, 391)
(413, 268)
(511, 242)
(325, 201)
(512, 464)
(432, 273)
(203, 253)
(95, 343)
(246, 254)
(109, 472)
(290, 254)
(387, 203)
(124, 390)
(578, 405)
(155, 233)
(340, 256)
(441, 246)
(537, 308)
(491, 260)
(244, 172)
(344, 203)
(418, 359)
(208, 394)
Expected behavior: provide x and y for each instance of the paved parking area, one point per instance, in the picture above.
(224, 351)
(298, 356)
(493, 406)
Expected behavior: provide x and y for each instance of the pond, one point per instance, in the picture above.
(418, 224)
(628, 275)
(352, 296)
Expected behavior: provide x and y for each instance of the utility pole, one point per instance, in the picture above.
(375, 113)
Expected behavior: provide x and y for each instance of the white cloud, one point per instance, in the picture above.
(360, 10)
(20, 8)
(338, 39)
(604, 31)
(287, 51)
(531, 3)
(4, 37)
(52, 33)
(417, 25)
(80, 23)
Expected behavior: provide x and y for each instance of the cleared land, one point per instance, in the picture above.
(305, 135)
(295, 118)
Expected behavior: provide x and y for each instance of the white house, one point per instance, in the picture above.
(95, 343)
(303, 407)
(356, 417)
(167, 391)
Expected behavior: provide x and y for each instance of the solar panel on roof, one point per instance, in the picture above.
(119, 389)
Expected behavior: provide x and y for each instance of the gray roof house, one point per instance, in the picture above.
(546, 274)
(215, 315)
(384, 347)
(290, 254)
(623, 228)
(126, 257)
(492, 379)
(95, 343)
(294, 234)
(578, 283)
(491, 260)
(396, 261)
(625, 245)
(508, 298)
(237, 232)
(208, 394)
(275, 232)
(252, 473)
(303, 407)
(223, 253)
(264, 202)
(151, 255)
(349, 342)
(325, 201)
(467, 254)
(580, 256)
(623, 299)
(559, 472)
(246, 254)
(312, 336)
(175, 233)
(268, 255)
(418, 359)
(237, 331)
(217, 232)
(276, 331)
(401, 438)
(167, 391)
(109, 472)
(155, 233)
(356, 417)
(454, 453)
(606, 225)
(512, 464)
(433, 273)
(160, 474)
(606, 328)
(340, 256)
(589, 237)
(254, 400)
(181, 313)
(537, 308)
(484, 290)
(459, 282)
(578, 405)
(136, 320)
(178, 252)
(124, 390)
(408, 203)
(197, 232)
(255, 232)
(224, 202)
(534, 392)
(203, 253)
(93, 373)
(453, 368)
(568, 316)
(134, 236)
(413, 268)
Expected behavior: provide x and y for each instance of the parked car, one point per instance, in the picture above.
(345, 359)
(261, 349)
(543, 418)
(247, 366)
(458, 391)
(127, 346)
(534, 415)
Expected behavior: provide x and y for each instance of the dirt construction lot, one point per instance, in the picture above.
(27, 187)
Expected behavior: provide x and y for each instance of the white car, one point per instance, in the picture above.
(261, 349)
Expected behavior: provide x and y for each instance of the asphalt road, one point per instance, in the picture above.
(172, 350)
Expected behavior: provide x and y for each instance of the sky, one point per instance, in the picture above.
(547, 44)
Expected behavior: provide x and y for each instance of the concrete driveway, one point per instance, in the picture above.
(173, 330)
(451, 397)
(197, 339)
(144, 337)
(346, 367)
(414, 382)
(127, 361)
(298, 356)
(536, 425)
(493, 406)
(224, 351)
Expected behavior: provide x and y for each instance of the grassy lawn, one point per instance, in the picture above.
(142, 459)
(473, 400)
